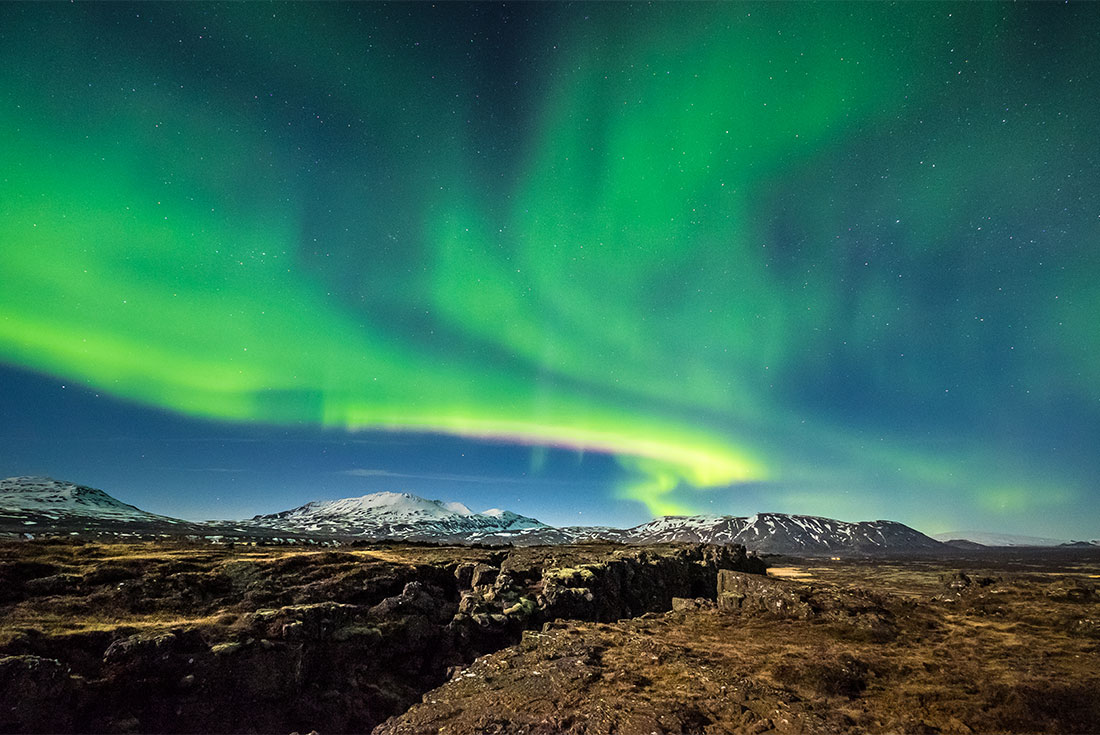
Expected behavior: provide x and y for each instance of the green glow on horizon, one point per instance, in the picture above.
(630, 278)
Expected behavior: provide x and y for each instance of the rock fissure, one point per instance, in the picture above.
(332, 641)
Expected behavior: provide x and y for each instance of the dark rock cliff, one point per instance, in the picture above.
(322, 641)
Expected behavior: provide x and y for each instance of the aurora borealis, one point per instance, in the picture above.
(831, 258)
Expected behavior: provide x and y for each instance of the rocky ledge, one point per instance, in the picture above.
(111, 638)
(868, 651)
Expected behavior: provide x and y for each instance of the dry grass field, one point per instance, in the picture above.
(997, 643)
(172, 637)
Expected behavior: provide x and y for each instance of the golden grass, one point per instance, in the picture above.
(17, 622)
(789, 573)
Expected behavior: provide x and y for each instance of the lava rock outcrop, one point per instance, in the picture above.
(330, 641)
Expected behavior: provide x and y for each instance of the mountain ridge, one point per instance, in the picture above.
(30, 505)
(388, 514)
(986, 538)
(54, 499)
(786, 533)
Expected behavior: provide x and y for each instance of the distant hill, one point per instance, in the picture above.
(964, 545)
(42, 506)
(998, 539)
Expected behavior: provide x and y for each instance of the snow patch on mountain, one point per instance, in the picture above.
(43, 499)
(395, 515)
(782, 533)
(459, 508)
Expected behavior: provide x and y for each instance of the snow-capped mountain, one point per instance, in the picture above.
(41, 504)
(776, 533)
(395, 515)
(510, 521)
(783, 534)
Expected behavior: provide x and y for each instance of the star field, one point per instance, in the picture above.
(827, 258)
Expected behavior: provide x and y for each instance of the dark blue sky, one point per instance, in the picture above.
(195, 469)
(588, 262)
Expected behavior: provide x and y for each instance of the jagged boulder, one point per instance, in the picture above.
(855, 609)
(740, 592)
(681, 604)
(484, 575)
(464, 575)
(55, 584)
(961, 581)
(158, 646)
(314, 622)
(524, 608)
(416, 599)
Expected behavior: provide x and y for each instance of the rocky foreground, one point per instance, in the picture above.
(174, 638)
(591, 638)
(965, 654)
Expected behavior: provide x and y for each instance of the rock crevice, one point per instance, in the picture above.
(323, 642)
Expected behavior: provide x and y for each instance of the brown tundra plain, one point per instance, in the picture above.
(588, 638)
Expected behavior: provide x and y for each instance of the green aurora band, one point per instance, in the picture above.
(693, 238)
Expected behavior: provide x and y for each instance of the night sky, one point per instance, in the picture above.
(588, 262)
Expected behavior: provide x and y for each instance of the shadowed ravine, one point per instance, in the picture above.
(142, 638)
